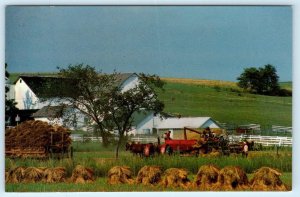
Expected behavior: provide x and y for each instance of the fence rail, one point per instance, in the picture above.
(264, 140)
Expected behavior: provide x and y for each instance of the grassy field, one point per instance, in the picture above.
(226, 103)
(103, 159)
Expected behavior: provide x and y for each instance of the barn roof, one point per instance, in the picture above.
(38, 82)
(177, 123)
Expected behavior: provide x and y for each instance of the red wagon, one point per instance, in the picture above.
(181, 146)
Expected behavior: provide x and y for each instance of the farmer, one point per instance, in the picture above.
(168, 135)
(245, 149)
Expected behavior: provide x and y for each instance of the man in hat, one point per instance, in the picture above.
(168, 135)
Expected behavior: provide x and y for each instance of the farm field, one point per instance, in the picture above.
(224, 102)
(103, 160)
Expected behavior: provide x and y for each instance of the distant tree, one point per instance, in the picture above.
(10, 104)
(263, 80)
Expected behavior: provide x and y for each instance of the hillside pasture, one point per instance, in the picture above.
(226, 105)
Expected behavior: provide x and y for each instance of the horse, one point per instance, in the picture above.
(137, 149)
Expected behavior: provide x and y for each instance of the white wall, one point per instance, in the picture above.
(130, 83)
(24, 96)
(147, 123)
(210, 124)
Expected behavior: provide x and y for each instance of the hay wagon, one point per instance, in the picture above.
(37, 139)
(193, 146)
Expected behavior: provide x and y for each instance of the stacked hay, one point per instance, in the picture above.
(207, 177)
(176, 177)
(149, 175)
(35, 135)
(231, 178)
(54, 175)
(15, 175)
(33, 175)
(120, 174)
(267, 179)
(82, 175)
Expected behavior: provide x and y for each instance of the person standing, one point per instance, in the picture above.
(245, 149)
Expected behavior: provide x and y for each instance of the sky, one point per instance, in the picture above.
(201, 42)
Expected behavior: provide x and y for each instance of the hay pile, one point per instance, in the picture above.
(33, 175)
(120, 174)
(149, 175)
(54, 175)
(231, 178)
(35, 135)
(207, 176)
(176, 177)
(15, 175)
(82, 175)
(267, 179)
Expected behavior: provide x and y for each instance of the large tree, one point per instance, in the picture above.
(263, 80)
(10, 104)
(99, 96)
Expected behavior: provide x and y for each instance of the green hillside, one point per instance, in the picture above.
(223, 101)
(228, 105)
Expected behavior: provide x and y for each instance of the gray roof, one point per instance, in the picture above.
(50, 112)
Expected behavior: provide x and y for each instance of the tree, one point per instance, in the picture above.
(263, 80)
(10, 104)
(84, 90)
(98, 96)
(143, 97)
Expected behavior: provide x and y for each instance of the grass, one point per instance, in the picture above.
(103, 159)
(100, 185)
(226, 105)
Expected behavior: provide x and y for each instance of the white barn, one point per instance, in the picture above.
(27, 90)
(148, 123)
(27, 87)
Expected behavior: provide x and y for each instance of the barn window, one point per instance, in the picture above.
(20, 80)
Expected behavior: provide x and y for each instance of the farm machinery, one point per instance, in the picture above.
(205, 144)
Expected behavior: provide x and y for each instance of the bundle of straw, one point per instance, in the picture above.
(149, 175)
(267, 179)
(120, 174)
(176, 177)
(207, 176)
(231, 178)
(82, 175)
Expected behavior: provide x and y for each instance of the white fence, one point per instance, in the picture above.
(264, 140)
(84, 139)
(281, 129)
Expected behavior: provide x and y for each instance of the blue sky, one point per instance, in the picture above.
(206, 42)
